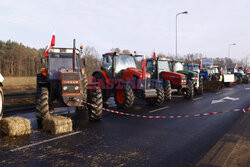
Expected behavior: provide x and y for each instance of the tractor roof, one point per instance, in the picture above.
(111, 53)
(62, 50)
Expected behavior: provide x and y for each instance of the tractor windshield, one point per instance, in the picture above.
(58, 62)
(178, 66)
(124, 61)
(193, 68)
(163, 66)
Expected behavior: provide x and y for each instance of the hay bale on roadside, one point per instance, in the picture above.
(57, 124)
(15, 126)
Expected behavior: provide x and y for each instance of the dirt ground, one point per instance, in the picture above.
(19, 84)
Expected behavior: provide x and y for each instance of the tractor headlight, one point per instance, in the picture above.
(149, 76)
(65, 87)
(77, 88)
(193, 78)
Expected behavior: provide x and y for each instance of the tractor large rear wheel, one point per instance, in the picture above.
(124, 98)
(105, 92)
(167, 91)
(42, 105)
(189, 93)
(95, 98)
(158, 100)
(1, 103)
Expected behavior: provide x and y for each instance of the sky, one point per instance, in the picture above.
(138, 25)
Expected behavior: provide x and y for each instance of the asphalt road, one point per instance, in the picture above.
(128, 141)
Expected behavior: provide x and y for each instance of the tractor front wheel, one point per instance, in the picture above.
(95, 98)
(189, 92)
(124, 98)
(158, 100)
(42, 105)
(167, 91)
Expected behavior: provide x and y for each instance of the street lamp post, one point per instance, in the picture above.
(229, 46)
(176, 30)
(247, 60)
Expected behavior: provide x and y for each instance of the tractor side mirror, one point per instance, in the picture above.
(108, 59)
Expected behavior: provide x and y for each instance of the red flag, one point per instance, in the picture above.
(143, 67)
(52, 43)
(221, 70)
(201, 64)
(154, 56)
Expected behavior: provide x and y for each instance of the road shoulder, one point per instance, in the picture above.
(233, 149)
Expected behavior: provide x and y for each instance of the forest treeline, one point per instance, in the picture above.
(19, 60)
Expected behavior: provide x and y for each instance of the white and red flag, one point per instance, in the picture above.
(221, 70)
(52, 43)
(236, 66)
(201, 64)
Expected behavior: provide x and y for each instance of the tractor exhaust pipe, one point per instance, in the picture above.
(74, 55)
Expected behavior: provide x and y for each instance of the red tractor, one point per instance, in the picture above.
(62, 82)
(160, 70)
(120, 78)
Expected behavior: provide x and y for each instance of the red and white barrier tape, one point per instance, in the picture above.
(157, 117)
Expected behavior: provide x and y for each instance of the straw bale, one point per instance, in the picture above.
(15, 126)
(57, 124)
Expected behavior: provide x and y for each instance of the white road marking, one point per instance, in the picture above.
(158, 109)
(218, 93)
(198, 98)
(247, 88)
(223, 100)
(44, 141)
(218, 101)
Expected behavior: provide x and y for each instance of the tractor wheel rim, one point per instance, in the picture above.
(120, 95)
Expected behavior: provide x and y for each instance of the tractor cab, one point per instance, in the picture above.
(192, 67)
(155, 67)
(114, 63)
(61, 59)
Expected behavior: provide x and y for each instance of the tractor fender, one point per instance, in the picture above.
(103, 74)
(106, 83)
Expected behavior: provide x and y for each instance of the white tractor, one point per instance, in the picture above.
(1, 96)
